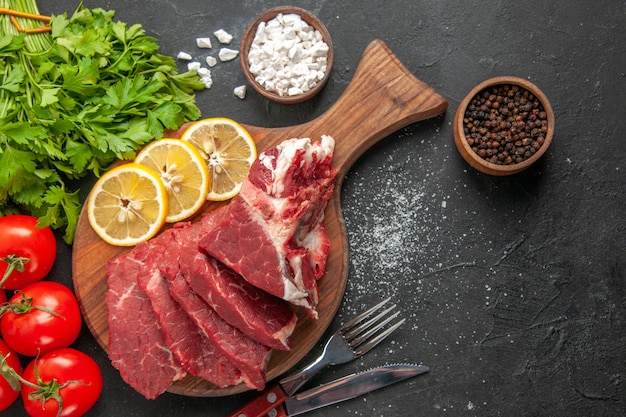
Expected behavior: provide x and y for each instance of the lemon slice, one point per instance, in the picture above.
(183, 172)
(228, 150)
(127, 205)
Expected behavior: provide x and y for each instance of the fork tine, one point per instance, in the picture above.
(363, 349)
(361, 316)
(361, 327)
(358, 334)
(357, 337)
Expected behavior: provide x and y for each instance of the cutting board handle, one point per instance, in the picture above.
(382, 97)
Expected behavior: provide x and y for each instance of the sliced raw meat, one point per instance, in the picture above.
(255, 313)
(247, 355)
(137, 346)
(272, 233)
(192, 348)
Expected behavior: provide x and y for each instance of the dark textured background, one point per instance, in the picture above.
(513, 287)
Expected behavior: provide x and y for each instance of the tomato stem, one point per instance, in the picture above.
(50, 390)
(45, 391)
(14, 263)
(11, 376)
(24, 305)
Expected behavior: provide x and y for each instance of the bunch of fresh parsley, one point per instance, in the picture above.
(73, 101)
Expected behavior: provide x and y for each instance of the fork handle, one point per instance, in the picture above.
(293, 382)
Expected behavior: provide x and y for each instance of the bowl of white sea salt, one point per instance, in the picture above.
(287, 54)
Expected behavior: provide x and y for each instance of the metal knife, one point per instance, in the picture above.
(345, 388)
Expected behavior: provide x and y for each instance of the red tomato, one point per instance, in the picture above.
(41, 317)
(78, 384)
(27, 251)
(9, 385)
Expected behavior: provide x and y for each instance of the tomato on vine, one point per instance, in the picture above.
(40, 317)
(27, 252)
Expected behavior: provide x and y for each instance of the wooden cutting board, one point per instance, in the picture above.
(382, 97)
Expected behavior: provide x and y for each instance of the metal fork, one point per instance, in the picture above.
(351, 341)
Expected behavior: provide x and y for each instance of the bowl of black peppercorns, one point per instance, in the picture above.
(504, 125)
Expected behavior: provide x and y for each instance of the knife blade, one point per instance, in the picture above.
(348, 387)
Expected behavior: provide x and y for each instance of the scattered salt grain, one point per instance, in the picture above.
(211, 61)
(287, 56)
(227, 54)
(240, 91)
(204, 43)
(223, 36)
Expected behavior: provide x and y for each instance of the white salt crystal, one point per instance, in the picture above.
(211, 61)
(184, 56)
(227, 54)
(319, 49)
(223, 36)
(204, 43)
(193, 66)
(240, 91)
(206, 77)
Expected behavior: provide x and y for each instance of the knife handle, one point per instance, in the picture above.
(262, 405)
(279, 411)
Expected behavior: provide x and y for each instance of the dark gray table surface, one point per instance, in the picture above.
(513, 288)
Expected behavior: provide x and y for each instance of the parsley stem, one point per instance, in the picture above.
(6, 98)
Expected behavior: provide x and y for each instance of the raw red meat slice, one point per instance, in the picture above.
(272, 233)
(247, 355)
(137, 346)
(192, 348)
(255, 313)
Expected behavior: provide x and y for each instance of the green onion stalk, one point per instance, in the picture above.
(35, 42)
